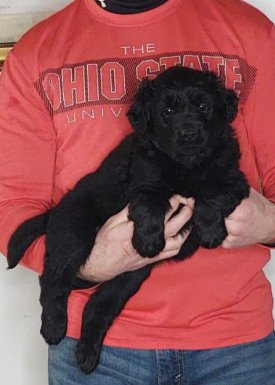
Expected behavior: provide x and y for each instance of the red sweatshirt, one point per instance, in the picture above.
(64, 92)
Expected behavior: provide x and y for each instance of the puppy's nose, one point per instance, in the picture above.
(190, 134)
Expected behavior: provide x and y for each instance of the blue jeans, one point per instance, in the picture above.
(246, 364)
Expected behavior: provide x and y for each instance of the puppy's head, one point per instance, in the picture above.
(183, 112)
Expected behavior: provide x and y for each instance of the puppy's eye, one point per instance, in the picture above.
(168, 111)
(203, 107)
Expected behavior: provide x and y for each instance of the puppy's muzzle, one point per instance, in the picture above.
(192, 134)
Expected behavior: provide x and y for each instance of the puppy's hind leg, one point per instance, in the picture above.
(101, 310)
(53, 299)
(69, 242)
(55, 290)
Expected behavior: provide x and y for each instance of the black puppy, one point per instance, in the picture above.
(183, 144)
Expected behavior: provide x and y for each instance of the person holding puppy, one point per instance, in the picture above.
(206, 320)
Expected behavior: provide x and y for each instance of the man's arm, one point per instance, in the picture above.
(27, 153)
(253, 221)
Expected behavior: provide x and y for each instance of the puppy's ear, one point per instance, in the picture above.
(139, 112)
(230, 102)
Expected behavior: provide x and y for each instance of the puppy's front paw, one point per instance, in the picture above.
(147, 211)
(211, 237)
(210, 227)
(87, 357)
(53, 329)
(149, 244)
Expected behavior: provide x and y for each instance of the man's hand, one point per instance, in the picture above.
(253, 221)
(113, 252)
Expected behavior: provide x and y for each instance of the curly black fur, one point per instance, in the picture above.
(183, 144)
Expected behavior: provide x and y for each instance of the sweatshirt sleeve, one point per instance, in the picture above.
(259, 114)
(27, 154)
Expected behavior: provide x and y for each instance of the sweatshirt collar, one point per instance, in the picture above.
(132, 20)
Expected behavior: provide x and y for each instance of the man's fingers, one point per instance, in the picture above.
(176, 222)
(174, 204)
(175, 201)
(175, 242)
(172, 247)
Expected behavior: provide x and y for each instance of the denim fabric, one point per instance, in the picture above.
(246, 364)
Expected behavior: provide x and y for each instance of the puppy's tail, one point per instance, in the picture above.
(23, 237)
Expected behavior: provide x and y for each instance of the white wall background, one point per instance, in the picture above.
(23, 354)
(17, 16)
(18, 6)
